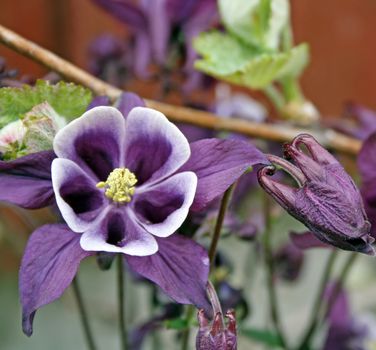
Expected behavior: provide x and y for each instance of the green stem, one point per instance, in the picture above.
(187, 332)
(317, 305)
(83, 315)
(269, 263)
(218, 225)
(121, 304)
(275, 97)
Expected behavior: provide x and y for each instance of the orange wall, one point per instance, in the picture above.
(341, 34)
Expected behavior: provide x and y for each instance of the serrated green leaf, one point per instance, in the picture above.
(263, 336)
(229, 59)
(67, 99)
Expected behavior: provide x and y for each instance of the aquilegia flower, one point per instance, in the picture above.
(125, 185)
(215, 334)
(326, 201)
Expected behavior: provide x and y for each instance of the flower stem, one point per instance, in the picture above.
(187, 332)
(121, 304)
(275, 96)
(269, 262)
(317, 305)
(218, 225)
(83, 315)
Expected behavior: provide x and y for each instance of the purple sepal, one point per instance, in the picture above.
(49, 264)
(326, 200)
(26, 181)
(99, 101)
(127, 101)
(307, 240)
(218, 164)
(180, 268)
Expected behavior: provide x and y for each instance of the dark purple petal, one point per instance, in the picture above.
(218, 164)
(50, 262)
(180, 268)
(26, 181)
(125, 11)
(159, 28)
(307, 240)
(127, 101)
(161, 209)
(367, 160)
(119, 232)
(80, 202)
(93, 141)
(99, 101)
(155, 148)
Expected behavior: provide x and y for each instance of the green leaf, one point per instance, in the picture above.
(177, 324)
(258, 23)
(263, 336)
(226, 58)
(67, 99)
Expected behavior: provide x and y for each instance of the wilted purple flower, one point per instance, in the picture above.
(367, 168)
(357, 121)
(215, 334)
(125, 186)
(326, 201)
(288, 262)
(109, 59)
(344, 332)
(157, 27)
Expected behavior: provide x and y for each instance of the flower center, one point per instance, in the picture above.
(119, 185)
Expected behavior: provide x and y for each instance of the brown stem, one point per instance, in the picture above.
(274, 132)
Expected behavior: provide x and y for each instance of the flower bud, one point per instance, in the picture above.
(326, 199)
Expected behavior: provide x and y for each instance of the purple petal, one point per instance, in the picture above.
(180, 268)
(307, 240)
(142, 55)
(93, 141)
(155, 148)
(77, 197)
(125, 11)
(218, 164)
(26, 181)
(127, 101)
(159, 28)
(162, 208)
(119, 232)
(99, 101)
(50, 262)
(367, 160)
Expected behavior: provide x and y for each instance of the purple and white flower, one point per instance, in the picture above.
(125, 185)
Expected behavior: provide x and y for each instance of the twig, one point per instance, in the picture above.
(272, 132)
(121, 304)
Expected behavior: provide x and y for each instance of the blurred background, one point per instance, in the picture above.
(341, 35)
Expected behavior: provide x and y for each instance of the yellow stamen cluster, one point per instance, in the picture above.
(119, 185)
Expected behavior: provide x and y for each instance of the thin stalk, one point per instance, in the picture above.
(269, 263)
(275, 97)
(317, 305)
(83, 315)
(121, 304)
(218, 225)
(187, 332)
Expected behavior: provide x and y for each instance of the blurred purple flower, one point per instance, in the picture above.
(358, 121)
(215, 334)
(288, 262)
(307, 240)
(344, 332)
(109, 59)
(160, 27)
(125, 185)
(326, 201)
(367, 168)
